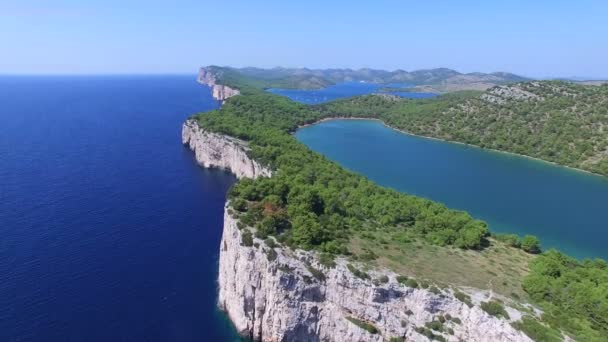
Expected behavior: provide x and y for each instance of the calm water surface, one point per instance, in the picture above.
(567, 209)
(342, 90)
(110, 231)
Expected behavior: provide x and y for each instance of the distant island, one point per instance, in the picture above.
(311, 251)
(435, 80)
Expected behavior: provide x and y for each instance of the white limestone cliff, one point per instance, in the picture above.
(271, 294)
(277, 298)
(218, 91)
(216, 150)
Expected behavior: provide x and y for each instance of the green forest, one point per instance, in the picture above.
(562, 123)
(311, 202)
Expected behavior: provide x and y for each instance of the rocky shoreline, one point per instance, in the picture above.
(273, 293)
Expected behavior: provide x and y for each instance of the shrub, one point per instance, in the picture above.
(286, 269)
(435, 325)
(271, 254)
(363, 325)
(270, 242)
(530, 244)
(509, 239)
(247, 239)
(356, 272)
(536, 331)
(318, 274)
(429, 334)
(239, 204)
(494, 308)
(471, 236)
(411, 283)
(434, 290)
(463, 298)
(401, 279)
(383, 279)
(327, 260)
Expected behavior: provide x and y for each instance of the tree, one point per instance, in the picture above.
(530, 244)
(471, 236)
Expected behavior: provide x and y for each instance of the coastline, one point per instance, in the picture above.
(453, 142)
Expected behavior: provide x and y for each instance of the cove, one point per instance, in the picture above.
(342, 90)
(565, 208)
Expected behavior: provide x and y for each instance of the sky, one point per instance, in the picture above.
(539, 38)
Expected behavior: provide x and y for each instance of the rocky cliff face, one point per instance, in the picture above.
(285, 295)
(215, 150)
(277, 294)
(219, 92)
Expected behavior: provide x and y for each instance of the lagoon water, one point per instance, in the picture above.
(341, 90)
(567, 209)
(109, 229)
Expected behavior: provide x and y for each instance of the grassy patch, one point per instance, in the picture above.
(498, 267)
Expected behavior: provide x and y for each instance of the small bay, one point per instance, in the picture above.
(565, 208)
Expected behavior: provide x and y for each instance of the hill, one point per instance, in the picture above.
(556, 121)
(436, 80)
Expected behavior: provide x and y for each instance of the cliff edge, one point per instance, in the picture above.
(276, 294)
(221, 151)
(218, 91)
(273, 293)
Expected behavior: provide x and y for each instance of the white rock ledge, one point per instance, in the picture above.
(221, 151)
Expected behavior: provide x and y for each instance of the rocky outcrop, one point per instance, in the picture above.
(218, 91)
(276, 294)
(503, 94)
(221, 151)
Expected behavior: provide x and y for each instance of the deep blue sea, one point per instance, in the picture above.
(109, 229)
(565, 208)
(346, 89)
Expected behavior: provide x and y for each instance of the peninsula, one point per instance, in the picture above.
(313, 252)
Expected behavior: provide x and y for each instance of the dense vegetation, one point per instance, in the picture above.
(555, 121)
(573, 294)
(313, 203)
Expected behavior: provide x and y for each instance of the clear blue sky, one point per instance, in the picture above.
(532, 37)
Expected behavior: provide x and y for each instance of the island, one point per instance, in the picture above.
(313, 252)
